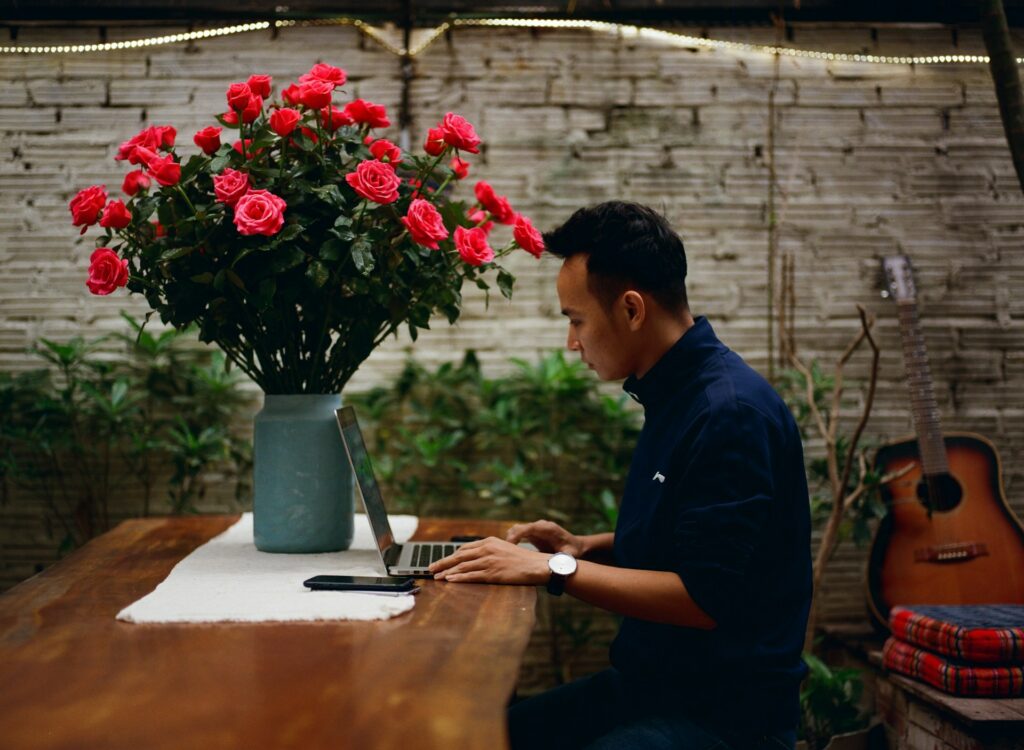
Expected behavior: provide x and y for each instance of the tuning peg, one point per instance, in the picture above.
(885, 294)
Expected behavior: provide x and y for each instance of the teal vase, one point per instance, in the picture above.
(303, 487)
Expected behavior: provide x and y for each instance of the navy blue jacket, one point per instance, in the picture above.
(717, 493)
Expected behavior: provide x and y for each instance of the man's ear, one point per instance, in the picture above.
(634, 309)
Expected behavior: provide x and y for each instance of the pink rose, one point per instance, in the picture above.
(283, 121)
(165, 170)
(259, 212)
(527, 236)
(259, 85)
(230, 185)
(472, 246)
(425, 224)
(208, 139)
(435, 145)
(333, 118)
(362, 111)
(375, 180)
(459, 133)
(315, 94)
(324, 72)
(253, 109)
(479, 216)
(238, 96)
(384, 149)
(86, 206)
(134, 182)
(292, 95)
(460, 168)
(107, 272)
(116, 215)
(498, 205)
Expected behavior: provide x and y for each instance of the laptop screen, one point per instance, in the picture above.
(352, 437)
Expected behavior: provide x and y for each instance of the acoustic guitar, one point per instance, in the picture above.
(949, 536)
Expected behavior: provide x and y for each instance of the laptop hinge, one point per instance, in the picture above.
(391, 555)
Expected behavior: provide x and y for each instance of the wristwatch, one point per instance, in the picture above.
(562, 566)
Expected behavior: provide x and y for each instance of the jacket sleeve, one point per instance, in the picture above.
(724, 499)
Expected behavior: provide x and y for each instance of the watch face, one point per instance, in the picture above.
(562, 564)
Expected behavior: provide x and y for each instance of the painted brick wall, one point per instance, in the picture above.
(871, 160)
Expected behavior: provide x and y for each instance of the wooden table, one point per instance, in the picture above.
(71, 676)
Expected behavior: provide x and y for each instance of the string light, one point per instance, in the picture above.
(622, 30)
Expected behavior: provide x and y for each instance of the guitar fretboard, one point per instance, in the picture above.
(923, 405)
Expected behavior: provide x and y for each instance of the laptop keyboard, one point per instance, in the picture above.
(424, 554)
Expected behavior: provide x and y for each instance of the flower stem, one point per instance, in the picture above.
(185, 196)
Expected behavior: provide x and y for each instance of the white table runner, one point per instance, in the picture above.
(228, 579)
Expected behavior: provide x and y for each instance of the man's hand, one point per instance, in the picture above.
(492, 560)
(546, 536)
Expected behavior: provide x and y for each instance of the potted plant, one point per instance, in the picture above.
(297, 249)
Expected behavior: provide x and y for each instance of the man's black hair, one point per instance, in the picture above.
(628, 245)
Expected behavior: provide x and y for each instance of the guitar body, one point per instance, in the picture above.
(968, 550)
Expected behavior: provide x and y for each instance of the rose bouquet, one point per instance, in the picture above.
(302, 245)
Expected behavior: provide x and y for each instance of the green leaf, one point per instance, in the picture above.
(219, 162)
(290, 232)
(505, 282)
(285, 258)
(235, 279)
(202, 278)
(332, 249)
(265, 298)
(362, 254)
(317, 273)
(176, 252)
(192, 168)
(331, 194)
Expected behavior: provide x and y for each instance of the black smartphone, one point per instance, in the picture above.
(387, 584)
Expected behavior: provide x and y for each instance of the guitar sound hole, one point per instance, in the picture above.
(940, 493)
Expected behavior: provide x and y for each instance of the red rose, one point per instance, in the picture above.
(238, 96)
(230, 118)
(308, 132)
(208, 139)
(425, 224)
(292, 95)
(249, 153)
(326, 73)
(252, 109)
(435, 145)
(153, 138)
(315, 94)
(472, 246)
(134, 182)
(333, 118)
(460, 168)
(259, 85)
(459, 133)
(116, 215)
(165, 170)
(159, 229)
(259, 212)
(375, 181)
(230, 186)
(362, 111)
(86, 206)
(498, 205)
(107, 272)
(384, 149)
(283, 121)
(527, 236)
(479, 216)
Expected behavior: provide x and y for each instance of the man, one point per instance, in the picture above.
(710, 557)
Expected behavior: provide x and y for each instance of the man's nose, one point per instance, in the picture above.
(572, 342)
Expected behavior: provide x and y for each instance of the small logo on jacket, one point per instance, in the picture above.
(659, 476)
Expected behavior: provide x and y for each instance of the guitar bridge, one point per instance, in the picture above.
(951, 553)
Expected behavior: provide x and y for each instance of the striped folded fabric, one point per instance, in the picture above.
(972, 633)
(950, 677)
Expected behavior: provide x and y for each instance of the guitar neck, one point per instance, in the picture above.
(924, 407)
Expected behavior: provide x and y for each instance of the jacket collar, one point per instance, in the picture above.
(660, 382)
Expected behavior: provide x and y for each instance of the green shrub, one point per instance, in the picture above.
(75, 432)
(542, 441)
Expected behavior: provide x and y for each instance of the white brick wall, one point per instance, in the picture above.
(871, 160)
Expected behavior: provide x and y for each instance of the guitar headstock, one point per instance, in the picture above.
(899, 278)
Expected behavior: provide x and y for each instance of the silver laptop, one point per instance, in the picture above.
(411, 559)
